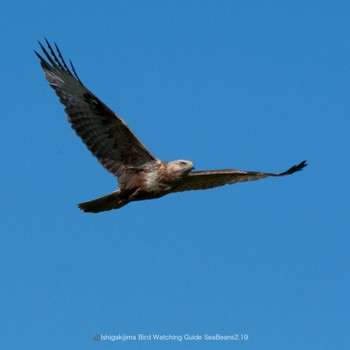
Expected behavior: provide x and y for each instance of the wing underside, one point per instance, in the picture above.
(105, 134)
(202, 180)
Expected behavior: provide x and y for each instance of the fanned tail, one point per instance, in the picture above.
(108, 202)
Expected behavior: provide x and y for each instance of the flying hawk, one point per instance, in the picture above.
(140, 174)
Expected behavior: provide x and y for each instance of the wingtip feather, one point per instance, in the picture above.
(55, 58)
(294, 168)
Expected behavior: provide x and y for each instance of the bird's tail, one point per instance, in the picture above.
(108, 202)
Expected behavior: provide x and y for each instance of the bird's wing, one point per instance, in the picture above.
(105, 134)
(202, 180)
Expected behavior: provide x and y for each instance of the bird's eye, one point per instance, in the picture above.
(183, 163)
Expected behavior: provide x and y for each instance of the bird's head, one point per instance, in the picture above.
(180, 167)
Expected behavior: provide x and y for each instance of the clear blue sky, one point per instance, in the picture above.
(254, 85)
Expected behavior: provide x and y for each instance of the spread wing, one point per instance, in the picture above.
(202, 180)
(105, 134)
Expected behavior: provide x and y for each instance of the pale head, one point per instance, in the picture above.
(180, 167)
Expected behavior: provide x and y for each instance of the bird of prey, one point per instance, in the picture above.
(140, 174)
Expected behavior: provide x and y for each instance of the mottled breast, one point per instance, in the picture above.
(153, 182)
